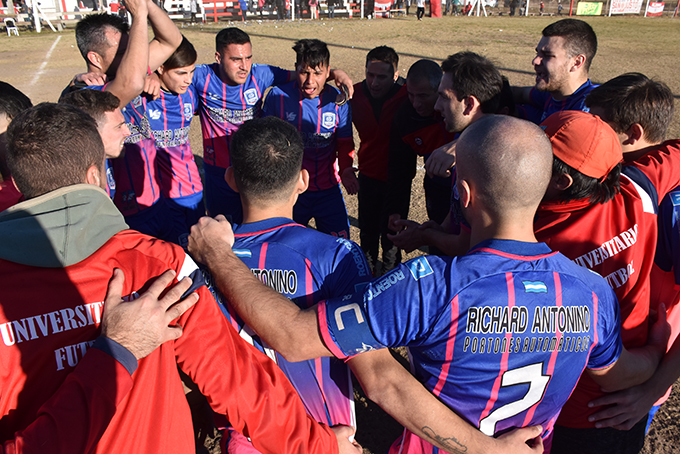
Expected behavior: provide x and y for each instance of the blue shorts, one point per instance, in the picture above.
(154, 221)
(183, 213)
(327, 207)
(219, 197)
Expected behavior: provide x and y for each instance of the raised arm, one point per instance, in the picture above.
(131, 73)
(166, 36)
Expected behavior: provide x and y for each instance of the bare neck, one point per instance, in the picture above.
(570, 87)
(254, 212)
(518, 227)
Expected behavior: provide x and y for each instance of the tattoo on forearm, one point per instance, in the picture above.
(451, 445)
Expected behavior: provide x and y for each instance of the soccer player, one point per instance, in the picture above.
(137, 194)
(501, 335)
(308, 103)
(374, 104)
(607, 222)
(60, 248)
(170, 118)
(12, 103)
(304, 265)
(104, 107)
(230, 92)
(640, 110)
(417, 130)
(562, 61)
(469, 90)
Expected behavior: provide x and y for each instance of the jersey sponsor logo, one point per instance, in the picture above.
(140, 131)
(291, 116)
(675, 198)
(530, 344)
(357, 255)
(283, 281)
(535, 287)
(328, 120)
(385, 283)
(155, 114)
(171, 137)
(250, 96)
(314, 140)
(419, 268)
(235, 117)
(188, 111)
(608, 249)
(242, 253)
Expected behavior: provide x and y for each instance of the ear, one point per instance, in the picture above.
(229, 178)
(160, 70)
(464, 193)
(578, 63)
(561, 182)
(396, 75)
(633, 134)
(303, 182)
(472, 105)
(218, 58)
(93, 176)
(94, 59)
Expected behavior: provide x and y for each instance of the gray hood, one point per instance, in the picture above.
(60, 228)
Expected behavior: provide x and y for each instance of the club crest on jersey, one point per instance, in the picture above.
(154, 114)
(188, 111)
(137, 101)
(328, 120)
(290, 116)
(250, 96)
(535, 287)
(419, 268)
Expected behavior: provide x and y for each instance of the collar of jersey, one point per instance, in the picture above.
(511, 248)
(264, 226)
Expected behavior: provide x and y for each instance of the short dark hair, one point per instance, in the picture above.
(427, 70)
(51, 146)
(231, 35)
(579, 36)
(184, 55)
(266, 155)
(95, 103)
(384, 54)
(90, 32)
(311, 52)
(583, 186)
(634, 98)
(474, 75)
(12, 101)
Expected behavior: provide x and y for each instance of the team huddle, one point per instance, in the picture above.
(539, 321)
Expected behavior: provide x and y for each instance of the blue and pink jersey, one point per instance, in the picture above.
(306, 266)
(135, 172)
(135, 187)
(326, 129)
(543, 104)
(170, 120)
(501, 335)
(223, 108)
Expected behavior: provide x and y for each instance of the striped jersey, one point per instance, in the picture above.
(306, 266)
(543, 104)
(326, 129)
(170, 120)
(223, 108)
(500, 335)
(135, 186)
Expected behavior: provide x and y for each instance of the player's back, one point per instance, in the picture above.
(501, 335)
(305, 266)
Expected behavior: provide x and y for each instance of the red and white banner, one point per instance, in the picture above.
(626, 7)
(655, 8)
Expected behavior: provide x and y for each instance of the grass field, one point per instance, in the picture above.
(42, 64)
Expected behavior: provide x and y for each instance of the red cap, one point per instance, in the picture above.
(583, 141)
